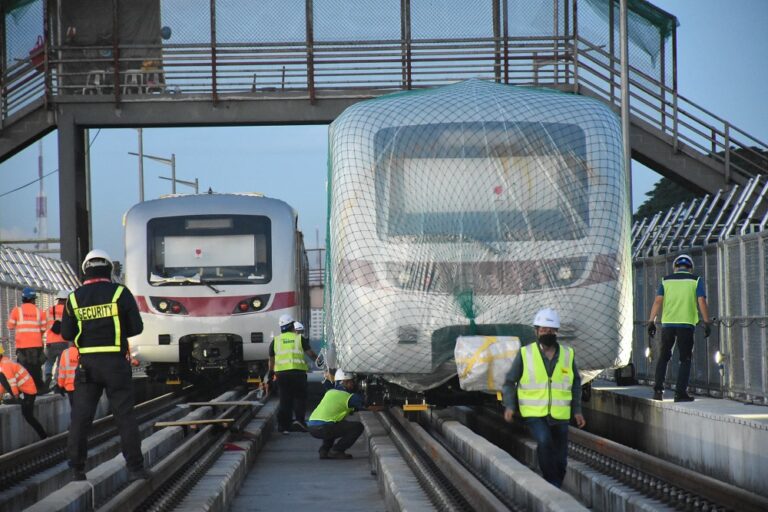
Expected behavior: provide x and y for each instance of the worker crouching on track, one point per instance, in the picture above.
(328, 420)
(544, 381)
(64, 371)
(99, 317)
(16, 380)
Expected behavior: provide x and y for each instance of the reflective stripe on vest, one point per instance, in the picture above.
(289, 353)
(679, 306)
(334, 406)
(97, 312)
(29, 330)
(18, 378)
(537, 394)
(67, 368)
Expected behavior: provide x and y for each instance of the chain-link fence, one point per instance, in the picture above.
(734, 272)
(19, 269)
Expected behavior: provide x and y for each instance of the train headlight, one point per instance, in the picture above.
(163, 306)
(565, 273)
(719, 358)
(176, 308)
(243, 306)
(256, 303)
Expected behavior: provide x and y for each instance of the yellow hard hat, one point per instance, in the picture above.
(2, 350)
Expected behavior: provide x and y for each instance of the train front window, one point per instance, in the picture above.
(487, 182)
(209, 248)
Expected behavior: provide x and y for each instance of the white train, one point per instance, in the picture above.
(463, 210)
(211, 274)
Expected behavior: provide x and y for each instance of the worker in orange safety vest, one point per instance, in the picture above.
(54, 343)
(64, 372)
(16, 380)
(27, 322)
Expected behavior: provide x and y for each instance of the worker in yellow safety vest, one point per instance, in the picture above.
(288, 365)
(545, 385)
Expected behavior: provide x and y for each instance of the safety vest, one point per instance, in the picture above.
(52, 314)
(18, 378)
(334, 406)
(67, 365)
(97, 312)
(289, 354)
(537, 393)
(29, 326)
(679, 306)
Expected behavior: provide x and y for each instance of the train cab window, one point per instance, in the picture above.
(484, 182)
(203, 249)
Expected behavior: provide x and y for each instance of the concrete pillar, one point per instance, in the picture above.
(74, 184)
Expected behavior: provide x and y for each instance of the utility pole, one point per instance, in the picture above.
(624, 36)
(141, 164)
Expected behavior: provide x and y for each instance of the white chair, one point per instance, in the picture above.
(133, 81)
(95, 81)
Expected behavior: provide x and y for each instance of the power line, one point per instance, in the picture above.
(46, 175)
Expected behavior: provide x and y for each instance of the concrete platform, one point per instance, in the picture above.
(720, 438)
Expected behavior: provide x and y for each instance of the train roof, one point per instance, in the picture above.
(231, 203)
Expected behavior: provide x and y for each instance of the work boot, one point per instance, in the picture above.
(298, 426)
(333, 454)
(658, 395)
(685, 397)
(137, 474)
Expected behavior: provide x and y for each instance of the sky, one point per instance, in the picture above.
(722, 48)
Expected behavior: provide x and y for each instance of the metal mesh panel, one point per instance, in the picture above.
(22, 28)
(754, 362)
(736, 374)
(465, 209)
(264, 21)
(353, 20)
(713, 300)
(189, 21)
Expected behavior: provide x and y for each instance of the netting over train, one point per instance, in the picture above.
(464, 210)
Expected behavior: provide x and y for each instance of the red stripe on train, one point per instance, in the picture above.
(217, 306)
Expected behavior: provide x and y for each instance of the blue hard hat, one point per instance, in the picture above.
(28, 293)
(683, 261)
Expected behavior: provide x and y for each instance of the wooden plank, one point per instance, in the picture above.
(223, 404)
(192, 423)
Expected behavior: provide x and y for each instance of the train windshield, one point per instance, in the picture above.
(209, 248)
(487, 182)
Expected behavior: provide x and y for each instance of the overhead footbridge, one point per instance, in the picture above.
(150, 63)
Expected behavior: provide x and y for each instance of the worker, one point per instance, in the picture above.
(16, 380)
(545, 385)
(27, 321)
(54, 343)
(288, 365)
(328, 421)
(678, 296)
(64, 372)
(99, 317)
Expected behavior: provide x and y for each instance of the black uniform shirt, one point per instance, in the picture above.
(101, 331)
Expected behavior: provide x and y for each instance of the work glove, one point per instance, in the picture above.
(707, 330)
(651, 329)
(12, 400)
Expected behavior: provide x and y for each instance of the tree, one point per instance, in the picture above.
(664, 195)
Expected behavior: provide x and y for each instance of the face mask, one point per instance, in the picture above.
(548, 340)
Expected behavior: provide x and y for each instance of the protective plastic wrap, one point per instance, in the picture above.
(463, 210)
(482, 362)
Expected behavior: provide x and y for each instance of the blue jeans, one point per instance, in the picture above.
(551, 448)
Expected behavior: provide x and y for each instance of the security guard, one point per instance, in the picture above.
(27, 322)
(678, 296)
(99, 317)
(287, 363)
(544, 381)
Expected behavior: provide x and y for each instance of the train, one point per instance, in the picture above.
(211, 274)
(461, 211)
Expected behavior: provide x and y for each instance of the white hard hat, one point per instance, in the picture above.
(547, 317)
(298, 326)
(62, 294)
(285, 320)
(341, 375)
(683, 260)
(96, 258)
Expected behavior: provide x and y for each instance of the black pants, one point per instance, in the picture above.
(684, 338)
(32, 360)
(346, 432)
(28, 411)
(52, 352)
(293, 397)
(96, 373)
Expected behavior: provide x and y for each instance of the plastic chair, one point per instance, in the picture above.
(95, 81)
(133, 81)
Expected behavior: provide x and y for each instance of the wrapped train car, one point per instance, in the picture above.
(463, 210)
(212, 273)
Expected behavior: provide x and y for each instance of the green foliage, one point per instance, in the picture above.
(665, 194)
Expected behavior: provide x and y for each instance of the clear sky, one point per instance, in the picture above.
(722, 48)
